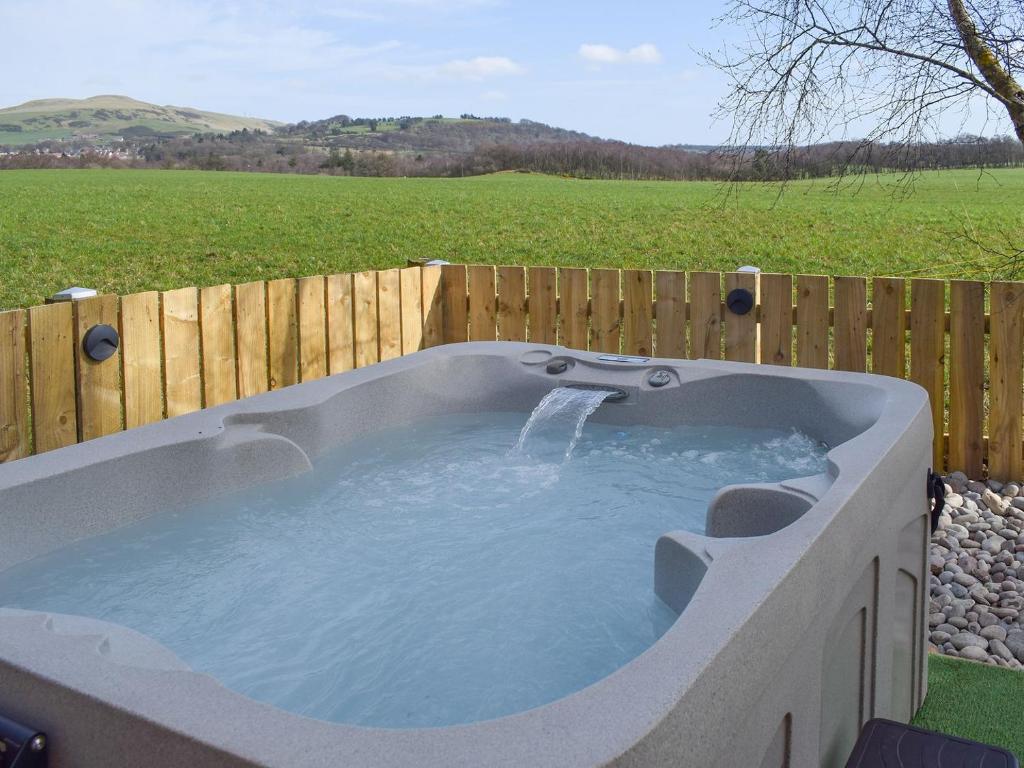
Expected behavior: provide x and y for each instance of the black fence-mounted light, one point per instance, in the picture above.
(100, 342)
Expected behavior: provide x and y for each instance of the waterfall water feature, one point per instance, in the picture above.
(563, 408)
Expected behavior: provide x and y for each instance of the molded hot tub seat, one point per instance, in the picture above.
(803, 605)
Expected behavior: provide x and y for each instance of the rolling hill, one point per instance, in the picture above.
(109, 117)
(426, 134)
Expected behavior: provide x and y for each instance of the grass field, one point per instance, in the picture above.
(974, 701)
(130, 230)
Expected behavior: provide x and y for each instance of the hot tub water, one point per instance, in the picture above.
(425, 575)
(565, 410)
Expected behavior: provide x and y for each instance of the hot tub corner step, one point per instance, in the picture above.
(887, 744)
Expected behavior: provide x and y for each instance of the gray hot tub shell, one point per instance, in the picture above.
(804, 603)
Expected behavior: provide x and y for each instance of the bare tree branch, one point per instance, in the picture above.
(879, 71)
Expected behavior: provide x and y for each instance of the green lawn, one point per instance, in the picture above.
(974, 701)
(129, 230)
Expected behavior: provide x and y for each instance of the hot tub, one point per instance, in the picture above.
(763, 632)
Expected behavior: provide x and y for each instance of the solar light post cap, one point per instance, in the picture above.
(74, 293)
(749, 268)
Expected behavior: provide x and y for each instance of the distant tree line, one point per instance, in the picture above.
(471, 148)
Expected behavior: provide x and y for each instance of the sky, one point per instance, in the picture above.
(623, 70)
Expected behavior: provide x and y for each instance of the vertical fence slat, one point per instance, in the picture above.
(888, 327)
(364, 301)
(282, 333)
(670, 290)
(389, 313)
(706, 315)
(512, 303)
(1006, 375)
(412, 309)
(453, 301)
(851, 321)
(604, 321)
(340, 337)
(312, 329)
(251, 338)
(141, 353)
(52, 355)
(216, 327)
(312, 324)
(741, 330)
(483, 323)
(928, 352)
(14, 442)
(180, 321)
(433, 309)
(99, 383)
(575, 310)
(543, 301)
(637, 312)
(777, 319)
(966, 375)
(812, 321)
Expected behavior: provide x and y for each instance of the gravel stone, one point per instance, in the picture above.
(999, 649)
(974, 653)
(962, 640)
(1015, 642)
(993, 632)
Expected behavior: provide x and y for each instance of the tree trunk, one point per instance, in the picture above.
(1009, 90)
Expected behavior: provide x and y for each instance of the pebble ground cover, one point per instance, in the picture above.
(126, 230)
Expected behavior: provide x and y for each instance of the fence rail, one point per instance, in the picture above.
(182, 350)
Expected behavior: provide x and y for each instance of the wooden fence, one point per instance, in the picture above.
(186, 349)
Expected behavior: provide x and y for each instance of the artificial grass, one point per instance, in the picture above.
(975, 701)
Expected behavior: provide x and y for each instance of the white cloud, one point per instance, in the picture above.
(599, 53)
(646, 53)
(480, 68)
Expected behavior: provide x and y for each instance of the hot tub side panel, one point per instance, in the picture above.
(839, 641)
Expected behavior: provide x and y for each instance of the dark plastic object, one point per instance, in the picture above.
(937, 495)
(557, 366)
(885, 744)
(100, 342)
(739, 301)
(21, 746)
